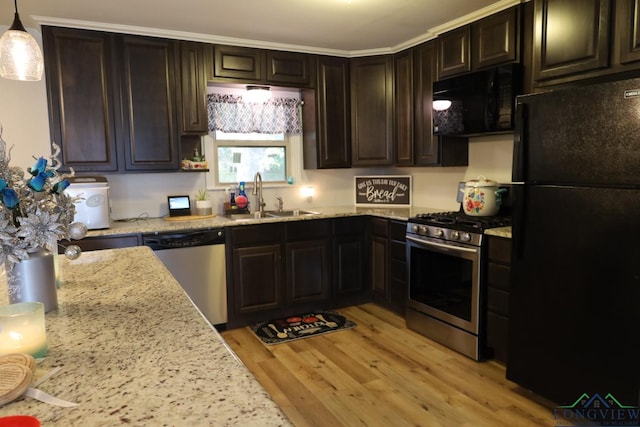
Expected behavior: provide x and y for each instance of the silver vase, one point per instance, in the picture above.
(33, 280)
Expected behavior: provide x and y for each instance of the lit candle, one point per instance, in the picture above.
(22, 329)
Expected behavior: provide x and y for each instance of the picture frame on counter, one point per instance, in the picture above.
(383, 190)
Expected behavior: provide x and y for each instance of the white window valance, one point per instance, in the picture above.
(230, 113)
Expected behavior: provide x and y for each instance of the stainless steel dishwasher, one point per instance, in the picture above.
(197, 260)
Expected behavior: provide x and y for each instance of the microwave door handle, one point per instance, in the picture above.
(446, 247)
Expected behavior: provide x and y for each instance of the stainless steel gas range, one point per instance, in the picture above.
(445, 254)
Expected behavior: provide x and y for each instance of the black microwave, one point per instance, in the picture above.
(477, 103)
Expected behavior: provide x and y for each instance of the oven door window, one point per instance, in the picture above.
(443, 282)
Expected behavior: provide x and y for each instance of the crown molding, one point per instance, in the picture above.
(232, 41)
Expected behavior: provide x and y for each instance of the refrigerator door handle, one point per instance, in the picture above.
(519, 142)
(519, 213)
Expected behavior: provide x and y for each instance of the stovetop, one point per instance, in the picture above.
(461, 221)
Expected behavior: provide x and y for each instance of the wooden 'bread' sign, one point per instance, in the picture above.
(383, 190)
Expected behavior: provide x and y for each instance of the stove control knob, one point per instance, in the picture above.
(423, 230)
(466, 237)
(413, 228)
(455, 235)
(439, 232)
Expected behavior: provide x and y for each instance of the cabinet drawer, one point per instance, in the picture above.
(349, 225)
(304, 230)
(500, 249)
(379, 227)
(398, 230)
(257, 234)
(498, 301)
(499, 276)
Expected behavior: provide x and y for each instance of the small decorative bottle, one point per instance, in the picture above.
(241, 189)
(232, 202)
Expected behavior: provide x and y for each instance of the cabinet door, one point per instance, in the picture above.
(398, 277)
(372, 111)
(257, 279)
(239, 63)
(570, 37)
(403, 102)
(82, 93)
(289, 68)
(149, 70)
(308, 270)
(453, 52)
(495, 39)
(426, 144)
(379, 247)
(326, 119)
(349, 257)
(627, 33)
(193, 88)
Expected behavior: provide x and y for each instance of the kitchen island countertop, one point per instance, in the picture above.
(134, 350)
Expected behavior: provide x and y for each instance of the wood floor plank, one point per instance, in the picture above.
(382, 374)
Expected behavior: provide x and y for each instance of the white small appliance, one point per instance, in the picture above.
(92, 209)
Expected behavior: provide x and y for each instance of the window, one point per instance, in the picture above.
(240, 156)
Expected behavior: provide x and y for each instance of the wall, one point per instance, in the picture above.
(24, 118)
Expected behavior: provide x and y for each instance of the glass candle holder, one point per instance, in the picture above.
(22, 329)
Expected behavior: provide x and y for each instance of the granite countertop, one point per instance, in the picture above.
(500, 232)
(134, 350)
(159, 225)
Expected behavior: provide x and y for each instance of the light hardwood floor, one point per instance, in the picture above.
(382, 374)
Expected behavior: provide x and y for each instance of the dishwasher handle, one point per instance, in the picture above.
(184, 239)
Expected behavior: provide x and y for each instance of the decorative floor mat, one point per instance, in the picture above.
(291, 328)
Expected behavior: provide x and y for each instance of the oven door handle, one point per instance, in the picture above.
(442, 245)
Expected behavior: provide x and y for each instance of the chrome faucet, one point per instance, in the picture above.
(257, 190)
(280, 203)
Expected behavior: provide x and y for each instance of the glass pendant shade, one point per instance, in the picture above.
(20, 55)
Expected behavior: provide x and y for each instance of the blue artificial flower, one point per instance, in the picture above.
(9, 198)
(60, 186)
(37, 182)
(3, 184)
(39, 167)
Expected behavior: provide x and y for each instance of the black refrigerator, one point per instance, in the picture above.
(574, 315)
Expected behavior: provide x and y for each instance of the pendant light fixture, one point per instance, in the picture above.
(20, 55)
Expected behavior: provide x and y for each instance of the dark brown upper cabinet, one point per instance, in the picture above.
(149, 73)
(112, 100)
(81, 90)
(193, 84)
(485, 43)
(571, 37)
(237, 64)
(372, 111)
(626, 51)
(289, 68)
(454, 52)
(403, 104)
(496, 39)
(326, 116)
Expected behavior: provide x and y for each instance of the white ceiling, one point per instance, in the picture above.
(339, 27)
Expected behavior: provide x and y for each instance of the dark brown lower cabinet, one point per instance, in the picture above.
(308, 261)
(278, 270)
(388, 263)
(498, 280)
(349, 261)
